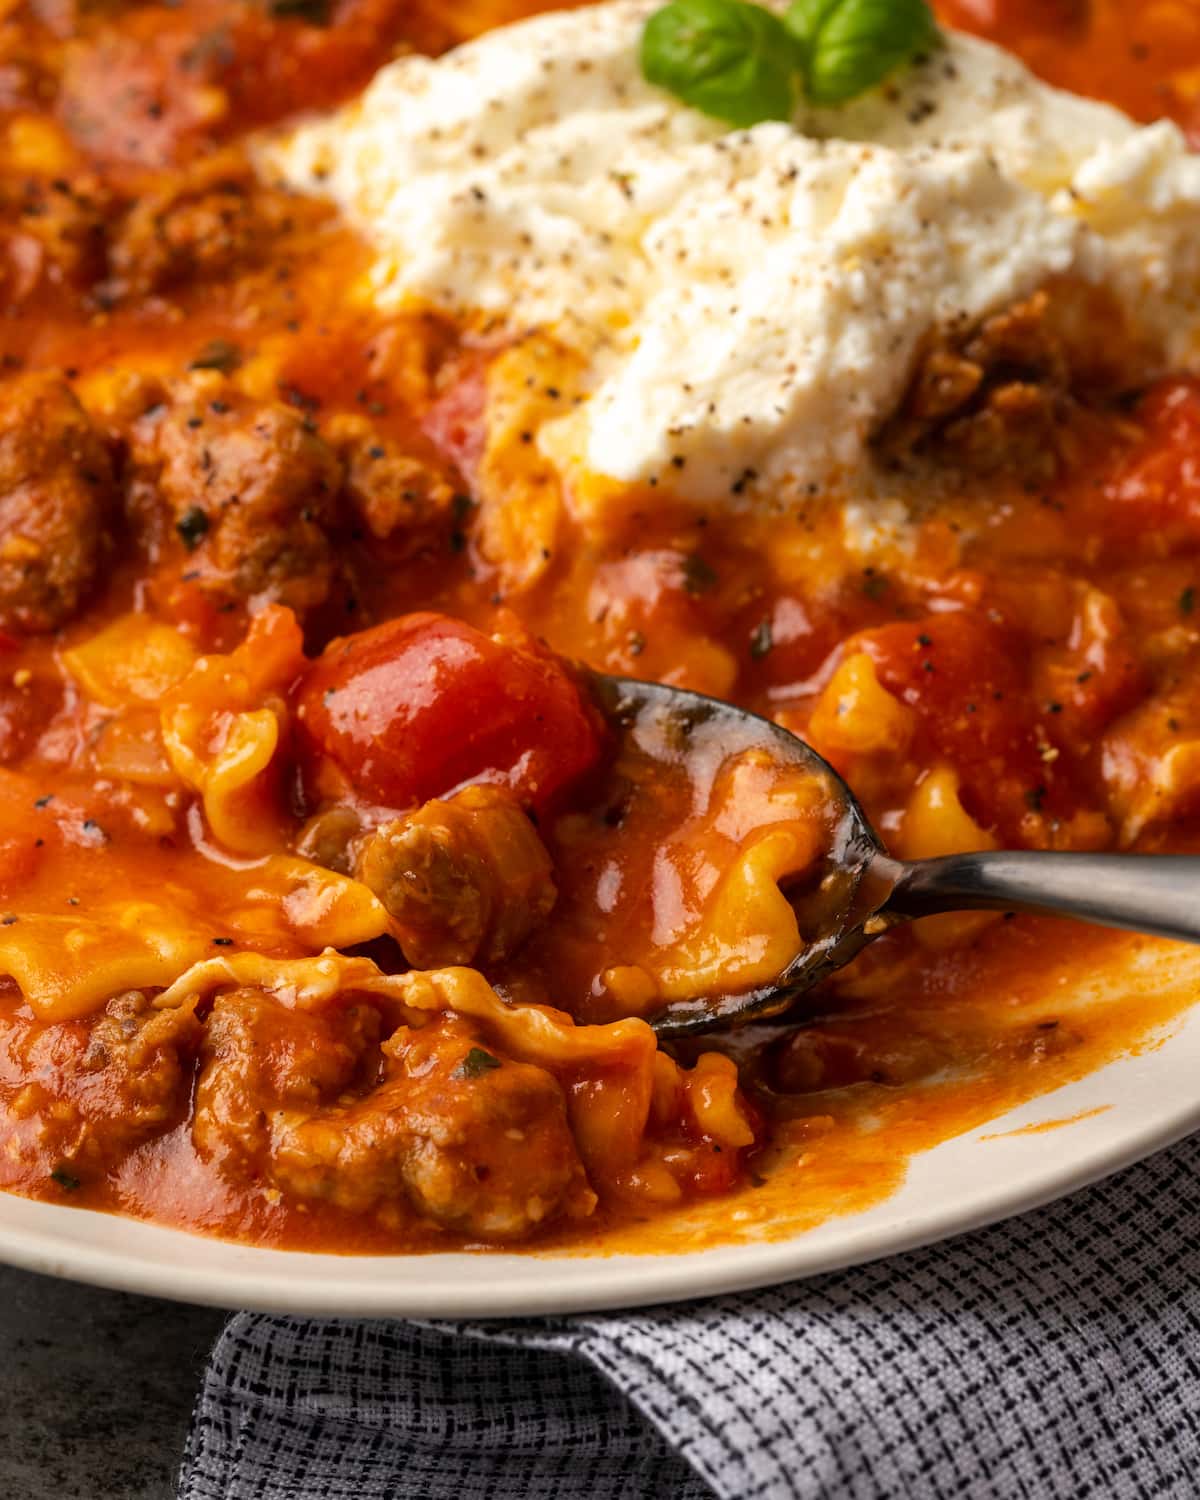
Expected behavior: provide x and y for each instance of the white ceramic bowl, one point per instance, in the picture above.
(1115, 1116)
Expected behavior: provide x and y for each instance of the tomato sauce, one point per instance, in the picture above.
(1038, 676)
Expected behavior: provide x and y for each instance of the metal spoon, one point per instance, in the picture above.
(860, 891)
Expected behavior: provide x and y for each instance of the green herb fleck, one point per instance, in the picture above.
(315, 12)
(460, 509)
(731, 60)
(761, 641)
(218, 354)
(476, 1063)
(64, 1179)
(698, 576)
(849, 46)
(1187, 600)
(192, 526)
(742, 64)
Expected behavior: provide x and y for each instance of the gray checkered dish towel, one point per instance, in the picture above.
(1055, 1357)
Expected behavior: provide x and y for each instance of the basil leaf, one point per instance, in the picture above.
(698, 576)
(313, 12)
(476, 1063)
(848, 46)
(218, 354)
(732, 60)
(192, 526)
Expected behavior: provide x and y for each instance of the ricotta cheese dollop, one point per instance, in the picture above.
(746, 306)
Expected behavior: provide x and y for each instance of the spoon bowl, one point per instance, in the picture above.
(859, 891)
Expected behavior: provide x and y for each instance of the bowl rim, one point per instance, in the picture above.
(1106, 1120)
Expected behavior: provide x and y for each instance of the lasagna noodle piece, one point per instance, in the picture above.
(69, 966)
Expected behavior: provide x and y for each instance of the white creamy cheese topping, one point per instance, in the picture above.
(748, 305)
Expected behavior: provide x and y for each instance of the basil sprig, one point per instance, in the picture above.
(848, 46)
(741, 63)
(727, 58)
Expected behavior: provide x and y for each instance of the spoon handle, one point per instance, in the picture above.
(1154, 893)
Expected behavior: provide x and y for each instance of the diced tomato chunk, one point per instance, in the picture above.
(454, 423)
(1002, 18)
(424, 703)
(1154, 493)
(964, 677)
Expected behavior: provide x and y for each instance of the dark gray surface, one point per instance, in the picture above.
(95, 1389)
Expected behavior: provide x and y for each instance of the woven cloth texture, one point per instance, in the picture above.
(1054, 1357)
